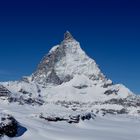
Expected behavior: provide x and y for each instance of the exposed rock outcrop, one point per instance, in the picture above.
(8, 125)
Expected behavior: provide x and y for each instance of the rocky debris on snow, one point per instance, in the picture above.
(25, 92)
(30, 101)
(70, 119)
(113, 111)
(82, 117)
(130, 101)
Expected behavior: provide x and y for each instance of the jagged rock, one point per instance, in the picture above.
(81, 87)
(107, 83)
(109, 92)
(53, 78)
(87, 116)
(8, 125)
(4, 92)
(68, 36)
(25, 79)
(30, 101)
(25, 92)
(74, 119)
(45, 72)
(70, 119)
(52, 118)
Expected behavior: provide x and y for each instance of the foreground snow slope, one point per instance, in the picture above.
(102, 128)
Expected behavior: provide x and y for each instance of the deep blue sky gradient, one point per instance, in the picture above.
(109, 31)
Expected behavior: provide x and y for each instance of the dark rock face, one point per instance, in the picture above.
(109, 92)
(81, 87)
(53, 78)
(74, 119)
(8, 126)
(25, 92)
(67, 78)
(87, 116)
(68, 36)
(4, 92)
(45, 71)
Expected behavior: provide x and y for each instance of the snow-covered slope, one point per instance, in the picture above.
(101, 128)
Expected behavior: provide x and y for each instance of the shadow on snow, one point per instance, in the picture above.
(21, 131)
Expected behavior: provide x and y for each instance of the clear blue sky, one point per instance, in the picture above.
(109, 31)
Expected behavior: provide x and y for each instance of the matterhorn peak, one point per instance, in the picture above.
(68, 36)
(64, 61)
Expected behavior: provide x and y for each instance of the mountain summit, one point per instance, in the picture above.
(68, 36)
(64, 61)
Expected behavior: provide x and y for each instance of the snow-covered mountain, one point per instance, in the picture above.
(67, 86)
(67, 73)
(64, 62)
